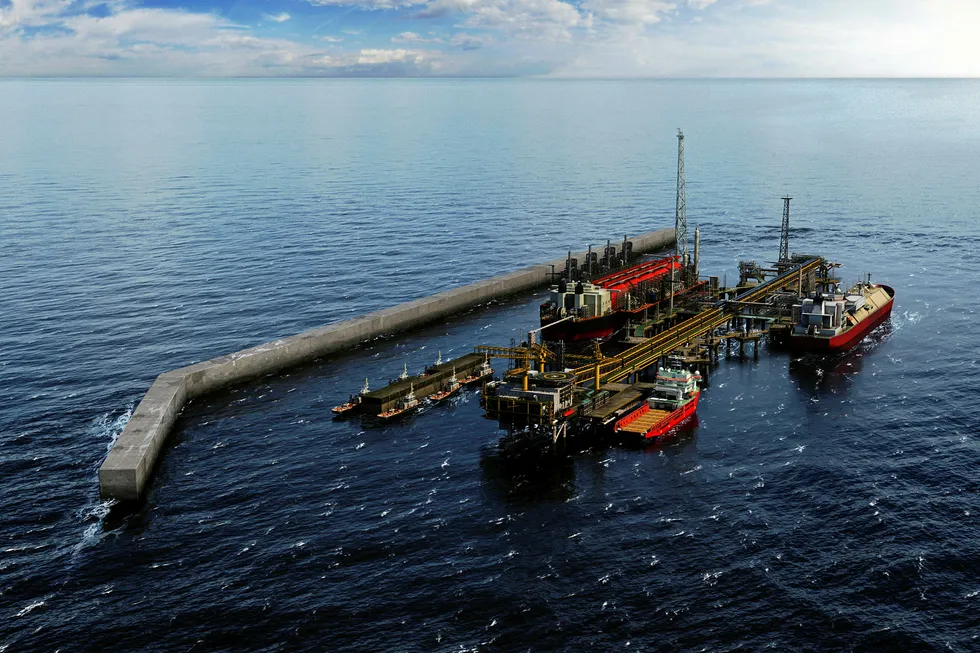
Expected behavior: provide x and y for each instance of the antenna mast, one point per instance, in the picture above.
(680, 215)
(784, 234)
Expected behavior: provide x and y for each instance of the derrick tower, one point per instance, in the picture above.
(784, 233)
(680, 214)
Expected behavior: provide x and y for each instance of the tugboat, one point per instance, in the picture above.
(674, 400)
(404, 405)
(451, 388)
(352, 403)
(479, 374)
(835, 322)
(432, 369)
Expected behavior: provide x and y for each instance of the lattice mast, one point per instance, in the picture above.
(680, 215)
(784, 233)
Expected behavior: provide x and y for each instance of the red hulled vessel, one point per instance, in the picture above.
(674, 401)
(481, 373)
(452, 387)
(583, 310)
(835, 322)
(404, 405)
(351, 404)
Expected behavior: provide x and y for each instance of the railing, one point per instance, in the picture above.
(632, 417)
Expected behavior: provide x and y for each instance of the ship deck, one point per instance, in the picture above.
(645, 422)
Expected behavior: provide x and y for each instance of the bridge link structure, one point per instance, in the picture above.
(645, 354)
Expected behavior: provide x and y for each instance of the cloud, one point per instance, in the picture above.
(146, 25)
(642, 12)
(367, 4)
(376, 56)
(837, 38)
(31, 13)
(150, 42)
(468, 41)
(412, 37)
(542, 19)
(574, 38)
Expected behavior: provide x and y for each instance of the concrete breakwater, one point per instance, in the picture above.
(126, 472)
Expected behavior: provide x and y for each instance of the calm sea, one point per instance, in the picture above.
(146, 225)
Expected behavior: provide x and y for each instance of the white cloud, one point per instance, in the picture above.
(368, 4)
(173, 42)
(31, 13)
(643, 12)
(542, 19)
(412, 37)
(594, 38)
(468, 41)
(837, 38)
(278, 18)
(375, 56)
(152, 25)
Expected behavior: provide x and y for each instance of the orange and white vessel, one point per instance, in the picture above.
(452, 387)
(674, 400)
(479, 374)
(351, 404)
(835, 322)
(404, 405)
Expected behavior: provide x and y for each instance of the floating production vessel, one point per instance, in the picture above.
(582, 310)
(835, 322)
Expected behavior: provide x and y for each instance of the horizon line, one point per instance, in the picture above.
(488, 77)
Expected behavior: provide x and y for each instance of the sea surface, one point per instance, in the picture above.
(147, 225)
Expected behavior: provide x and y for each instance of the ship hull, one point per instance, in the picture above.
(674, 419)
(477, 378)
(661, 427)
(446, 394)
(846, 340)
(396, 414)
(590, 328)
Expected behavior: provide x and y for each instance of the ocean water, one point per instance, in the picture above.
(146, 225)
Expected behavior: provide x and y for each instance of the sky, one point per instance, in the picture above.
(552, 38)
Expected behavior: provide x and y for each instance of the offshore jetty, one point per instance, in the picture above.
(623, 345)
(126, 472)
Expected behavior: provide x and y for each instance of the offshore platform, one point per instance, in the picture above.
(620, 336)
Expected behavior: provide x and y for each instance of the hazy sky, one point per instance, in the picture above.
(562, 38)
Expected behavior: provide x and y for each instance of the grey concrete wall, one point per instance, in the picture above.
(127, 469)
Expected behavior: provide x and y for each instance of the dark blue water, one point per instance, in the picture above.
(148, 225)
